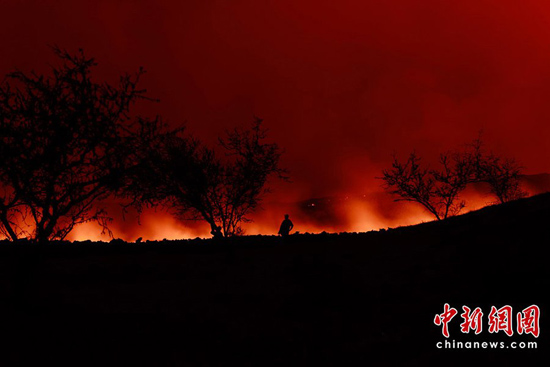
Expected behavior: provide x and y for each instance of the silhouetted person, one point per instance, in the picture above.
(217, 233)
(286, 226)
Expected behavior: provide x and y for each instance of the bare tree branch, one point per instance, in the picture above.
(67, 142)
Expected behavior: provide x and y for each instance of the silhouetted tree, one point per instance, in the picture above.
(438, 190)
(66, 142)
(11, 213)
(504, 177)
(502, 174)
(243, 178)
(219, 189)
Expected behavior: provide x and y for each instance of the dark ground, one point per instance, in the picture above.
(311, 300)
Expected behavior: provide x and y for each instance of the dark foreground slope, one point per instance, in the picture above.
(323, 300)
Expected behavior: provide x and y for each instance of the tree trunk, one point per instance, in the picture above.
(7, 226)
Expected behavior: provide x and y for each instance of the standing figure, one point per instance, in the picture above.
(286, 226)
(217, 232)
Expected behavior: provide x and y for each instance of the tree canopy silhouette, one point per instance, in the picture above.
(221, 189)
(502, 174)
(438, 190)
(66, 142)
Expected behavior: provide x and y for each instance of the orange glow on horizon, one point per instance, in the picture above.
(354, 214)
(153, 227)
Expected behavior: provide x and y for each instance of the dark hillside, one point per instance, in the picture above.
(309, 300)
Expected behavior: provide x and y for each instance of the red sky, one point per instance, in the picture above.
(341, 84)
